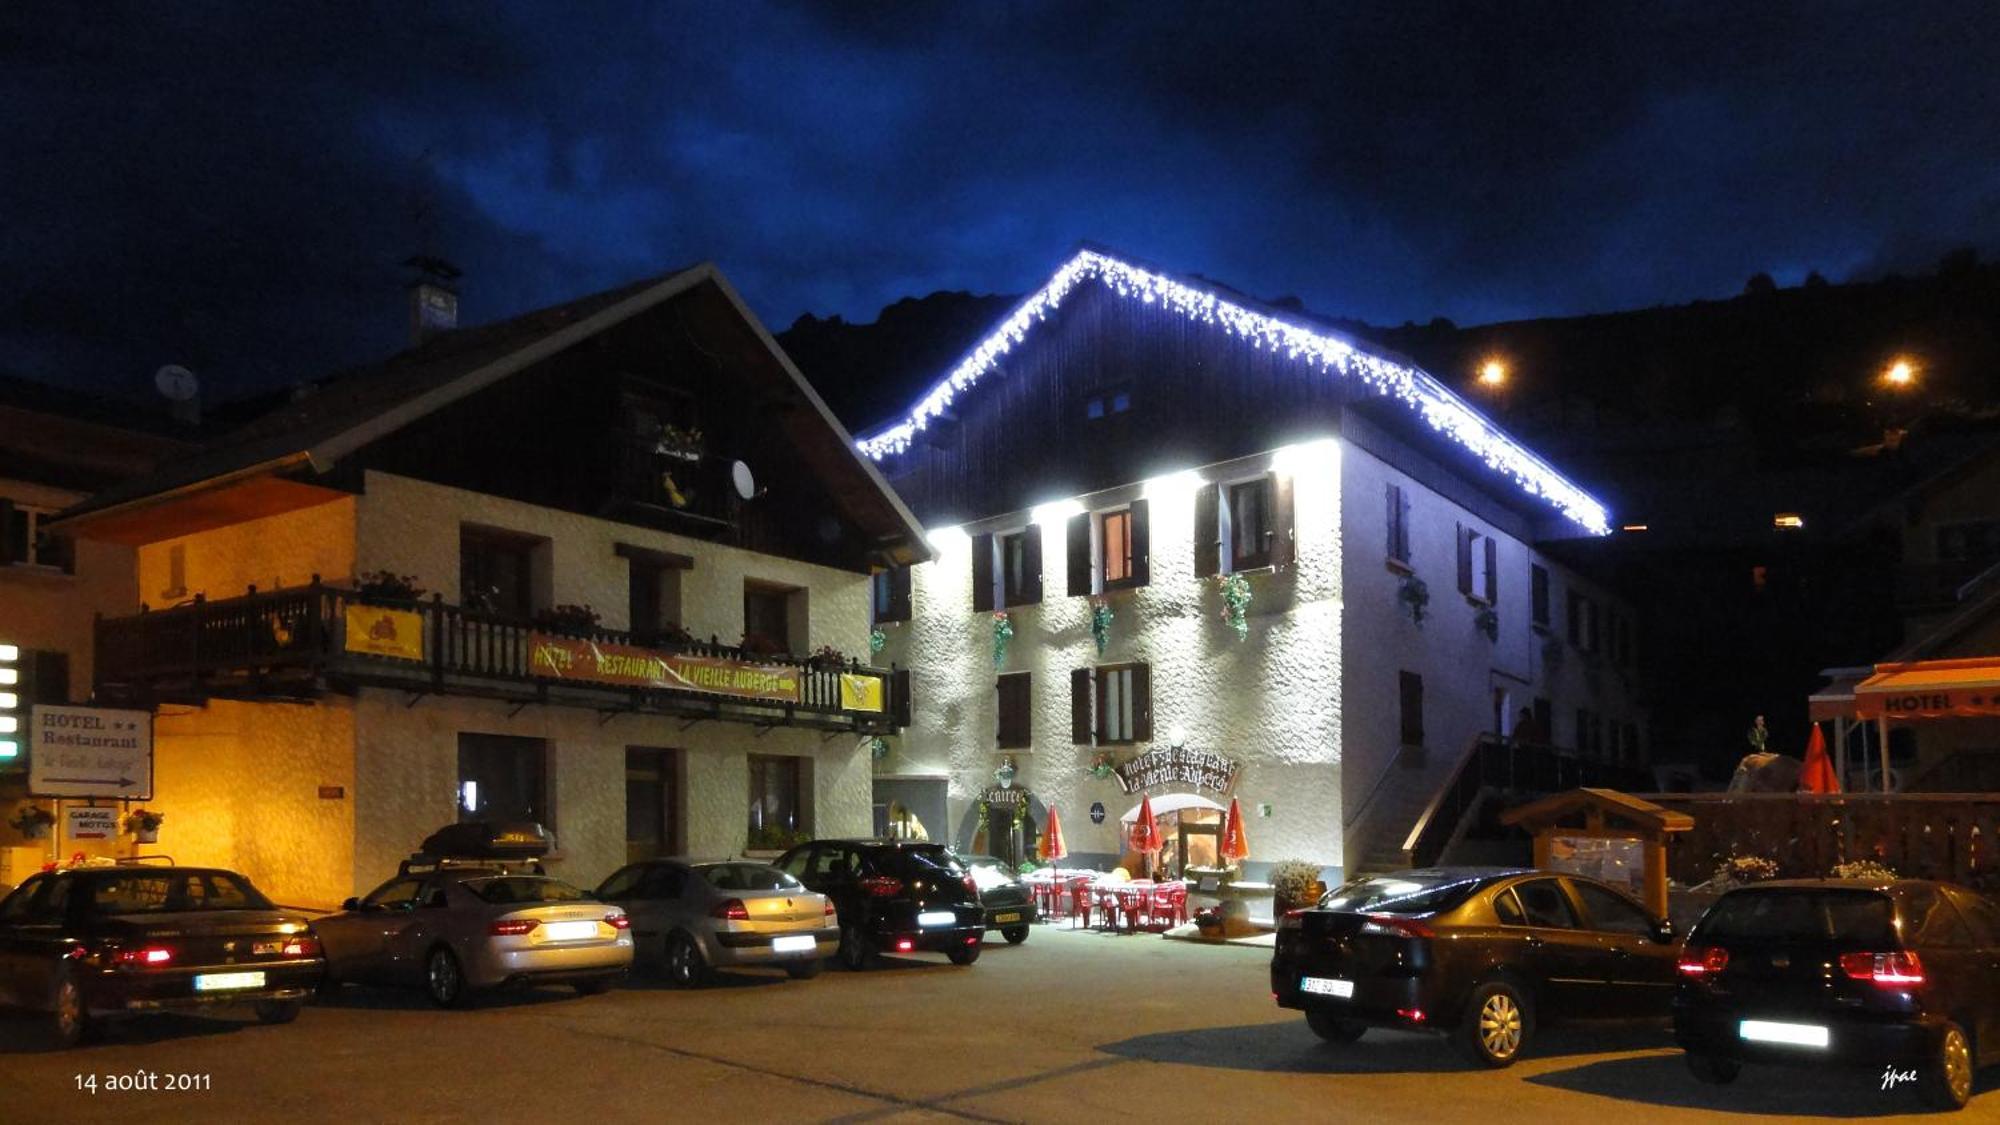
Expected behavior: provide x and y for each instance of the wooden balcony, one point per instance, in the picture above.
(301, 643)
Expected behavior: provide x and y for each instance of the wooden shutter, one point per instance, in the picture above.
(1082, 718)
(1492, 571)
(1031, 565)
(982, 573)
(1141, 543)
(1575, 619)
(1280, 491)
(1411, 700)
(899, 698)
(1142, 703)
(1015, 726)
(899, 593)
(1208, 531)
(10, 552)
(1464, 560)
(1079, 555)
(1538, 593)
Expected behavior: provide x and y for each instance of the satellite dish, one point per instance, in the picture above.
(746, 484)
(177, 383)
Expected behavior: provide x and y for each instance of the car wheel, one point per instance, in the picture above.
(1015, 935)
(1947, 1082)
(1496, 1024)
(69, 1019)
(855, 952)
(686, 968)
(964, 954)
(804, 970)
(1716, 1070)
(444, 980)
(278, 1011)
(1334, 1029)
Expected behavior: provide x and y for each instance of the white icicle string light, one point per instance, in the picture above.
(1442, 410)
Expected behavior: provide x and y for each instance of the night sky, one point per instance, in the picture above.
(231, 187)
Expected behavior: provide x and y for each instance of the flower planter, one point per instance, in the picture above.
(146, 835)
(34, 831)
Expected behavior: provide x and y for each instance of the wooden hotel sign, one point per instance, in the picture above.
(567, 658)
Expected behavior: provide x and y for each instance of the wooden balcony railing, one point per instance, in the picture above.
(1512, 768)
(296, 644)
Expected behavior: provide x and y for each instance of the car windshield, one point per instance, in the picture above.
(509, 890)
(172, 892)
(747, 877)
(1863, 918)
(1402, 894)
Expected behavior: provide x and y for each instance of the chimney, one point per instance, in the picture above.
(433, 297)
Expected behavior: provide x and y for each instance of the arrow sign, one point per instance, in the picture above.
(90, 752)
(122, 783)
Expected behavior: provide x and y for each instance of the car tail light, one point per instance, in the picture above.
(151, 955)
(618, 921)
(732, 910)
(1703, 961)
(513, 927)
(829, 908)
(1395, 925)
(904, 945)
(1414, 1015)
(971, 884)
(882, 886)
(301, 947)
(1900, 969)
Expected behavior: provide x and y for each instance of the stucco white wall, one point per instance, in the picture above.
(1272, 702)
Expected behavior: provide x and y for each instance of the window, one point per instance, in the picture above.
(654, 590)
(622, 883)
(1582, 622)
(652, 821)
(1107, 403)
(892, 595)
(1538, 589)
(1243, 525)
(1399, 525)
(1478, 576)
(496, 571)
(775, 795)
(1544, 904)
(1014, 568)
(1007, 569)
(1111, 704)
(1249, 525)
(1589, 732)
(1411, 707)
(1015, 728)
(767, 619)
(23, 542)
(1117, 540)
(1107, 550)
(1612, 912)
(501, 777)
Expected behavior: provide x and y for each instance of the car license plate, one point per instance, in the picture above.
(1327, 986)
(1010, 916)
(937, 918)
(223, 982)
(571, 931)
(798, 943)
(1792, 1034)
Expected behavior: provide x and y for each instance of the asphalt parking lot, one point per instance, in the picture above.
(1067, 1027)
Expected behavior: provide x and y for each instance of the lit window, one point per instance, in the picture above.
(1788, 521)
(1117, 546)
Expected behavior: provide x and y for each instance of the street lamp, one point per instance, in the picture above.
(1900, 373)
(1493, 374)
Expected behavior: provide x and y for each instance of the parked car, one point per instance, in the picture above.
(1844, 973)
(455, 929)
(1009, 907)
(90, 944)
(893, 896)
(1483, 955)
(696, 916)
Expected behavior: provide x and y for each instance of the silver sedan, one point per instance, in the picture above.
(457, 931)
(698, 915)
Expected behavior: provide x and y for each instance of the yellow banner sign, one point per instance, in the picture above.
(567, 658)
(860, 693)
(397, 633)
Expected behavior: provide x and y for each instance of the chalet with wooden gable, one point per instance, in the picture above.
(1175, 524)
(605, 566)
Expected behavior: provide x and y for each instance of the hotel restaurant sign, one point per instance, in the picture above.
(1177, 766)
(569, 658)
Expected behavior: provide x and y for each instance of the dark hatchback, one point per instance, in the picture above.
(94, 943)
(1480, 954)
(1010, 908)
(1844, 973)
(893, 896)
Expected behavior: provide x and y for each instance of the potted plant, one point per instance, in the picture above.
(1415, 596)
(826, 658)
(31, 821)
(1295, 884)
(144, 825)
(1487, 621)
(571, 618)
(1235, 602)
(389, 586)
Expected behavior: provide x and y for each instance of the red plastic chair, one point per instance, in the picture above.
(1167, 906)
(1081, 894)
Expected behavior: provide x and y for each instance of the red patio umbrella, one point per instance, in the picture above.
(1235, 843)
(1817, 775)
(1052, 846)
(1146, 831)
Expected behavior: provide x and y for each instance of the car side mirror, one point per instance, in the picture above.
(351, 904)
(1663, 932)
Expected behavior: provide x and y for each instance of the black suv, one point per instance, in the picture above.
(893, 896)
(1844, 973)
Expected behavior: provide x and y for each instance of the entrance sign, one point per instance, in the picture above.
(91, 823)
(1177, 766)
(91, 752)
(567, 658)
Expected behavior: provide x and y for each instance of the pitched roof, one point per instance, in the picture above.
(1311, 344)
